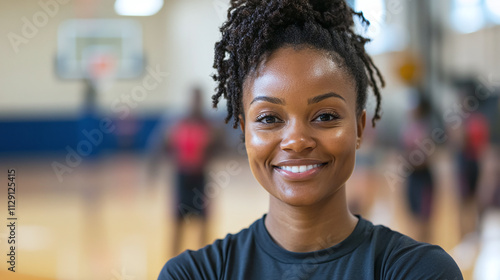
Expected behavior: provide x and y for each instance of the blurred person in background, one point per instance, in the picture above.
(475, 139)
(420, 183)
(487, 266)
(489, 192)
(189, 141)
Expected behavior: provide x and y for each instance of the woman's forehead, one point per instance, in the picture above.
(288, 71)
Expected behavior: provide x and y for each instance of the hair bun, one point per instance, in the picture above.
(321, 5)
(334, 13)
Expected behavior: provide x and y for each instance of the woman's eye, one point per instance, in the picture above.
(269, 119)
(327, 117)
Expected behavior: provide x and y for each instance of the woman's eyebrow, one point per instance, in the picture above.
(318, 98)
(274, 100)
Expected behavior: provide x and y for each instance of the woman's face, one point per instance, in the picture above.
(301, 128)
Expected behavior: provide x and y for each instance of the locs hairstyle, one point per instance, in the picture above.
(256, 28)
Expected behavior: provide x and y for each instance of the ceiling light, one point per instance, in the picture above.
(138, 7)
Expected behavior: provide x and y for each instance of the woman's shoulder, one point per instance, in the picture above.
(199, 264)
(207, 262)
(402, 257)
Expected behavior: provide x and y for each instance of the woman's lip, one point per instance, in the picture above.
(298, 162)
(299, 176)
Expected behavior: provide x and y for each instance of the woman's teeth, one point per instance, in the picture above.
(298, 169)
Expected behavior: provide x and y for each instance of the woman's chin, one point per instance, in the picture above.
(305, 195)
(299, 198)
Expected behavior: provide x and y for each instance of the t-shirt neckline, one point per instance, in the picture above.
(267, 244)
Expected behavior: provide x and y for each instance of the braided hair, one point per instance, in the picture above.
(256, 28)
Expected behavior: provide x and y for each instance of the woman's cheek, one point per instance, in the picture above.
(262, 141)
(260, 150)
(341, 144)
(256, 144)
(345, 151)
(339, 138)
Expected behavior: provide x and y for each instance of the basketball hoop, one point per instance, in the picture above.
(101, 69)
(99, 50)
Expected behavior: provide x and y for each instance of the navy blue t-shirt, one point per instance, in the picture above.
(370, 252)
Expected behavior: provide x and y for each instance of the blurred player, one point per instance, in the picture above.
(189, 142)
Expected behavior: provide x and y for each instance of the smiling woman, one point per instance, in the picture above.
(301, 148)
(296, 76)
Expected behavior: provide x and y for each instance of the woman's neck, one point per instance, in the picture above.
(310, 228)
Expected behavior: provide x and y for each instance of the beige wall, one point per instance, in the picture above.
(475, 53)
(179, 40)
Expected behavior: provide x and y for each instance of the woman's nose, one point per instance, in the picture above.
(297, 138)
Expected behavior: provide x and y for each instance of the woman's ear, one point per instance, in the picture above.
(361, 122)
(242, 123)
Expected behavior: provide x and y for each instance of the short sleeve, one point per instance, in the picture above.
(423, 261)
(205, 263)
(177, 268)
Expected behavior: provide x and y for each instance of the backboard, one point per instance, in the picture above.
(98, 49)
